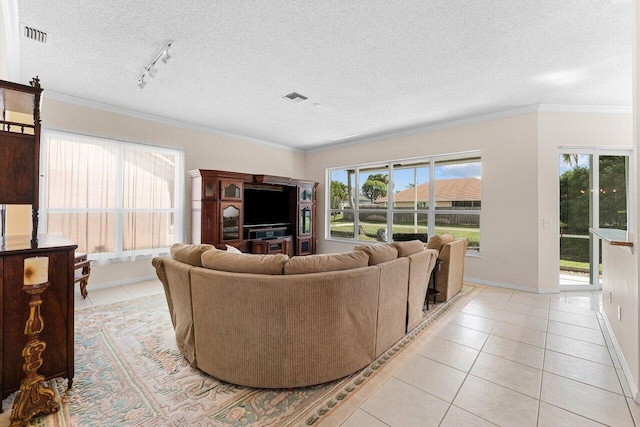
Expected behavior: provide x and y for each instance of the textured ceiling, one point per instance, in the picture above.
(369, 67)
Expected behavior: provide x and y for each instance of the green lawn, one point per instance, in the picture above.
(576, 266)
(346, 229)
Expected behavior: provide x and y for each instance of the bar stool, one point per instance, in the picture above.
(84, 265)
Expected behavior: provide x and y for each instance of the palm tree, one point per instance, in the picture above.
(570, 159)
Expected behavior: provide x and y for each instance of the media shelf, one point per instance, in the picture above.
(254, 213)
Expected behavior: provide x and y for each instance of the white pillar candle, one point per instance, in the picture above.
(36, 270)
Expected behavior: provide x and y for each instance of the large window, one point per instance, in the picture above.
(116, 200)
(395, 201)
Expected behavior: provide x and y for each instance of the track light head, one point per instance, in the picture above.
(151, 70)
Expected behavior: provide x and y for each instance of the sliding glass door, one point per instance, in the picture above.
(593, 193)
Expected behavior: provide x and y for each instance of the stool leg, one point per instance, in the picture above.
(83, 288)
(86, 271)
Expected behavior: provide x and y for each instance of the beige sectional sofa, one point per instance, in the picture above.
(277, 322)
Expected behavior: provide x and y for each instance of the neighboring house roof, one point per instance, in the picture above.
(458, 189)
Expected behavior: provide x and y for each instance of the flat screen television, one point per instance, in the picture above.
(266, 206)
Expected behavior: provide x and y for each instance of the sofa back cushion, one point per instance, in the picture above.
(189, 254)
(408, 248)
(244, 263)
(378, 253)
(326, 262)
(437, 242)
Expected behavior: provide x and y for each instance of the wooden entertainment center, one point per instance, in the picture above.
(262, 214)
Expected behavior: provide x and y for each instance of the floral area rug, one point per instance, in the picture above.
(129, 372)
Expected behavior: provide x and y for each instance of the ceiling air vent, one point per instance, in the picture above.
(34, 34)
(295, 97)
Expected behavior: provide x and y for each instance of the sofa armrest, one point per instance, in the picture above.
(175, 278)
(451, 273)
(158, 264)
(457, 246)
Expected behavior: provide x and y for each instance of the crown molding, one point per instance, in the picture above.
(608, 109)
(534, 108)
(527, 109)
(159, 119)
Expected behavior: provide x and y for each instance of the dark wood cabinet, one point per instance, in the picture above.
(19, 178)
(20, 146)
(57, 308)
(230, 208)
(279, 245)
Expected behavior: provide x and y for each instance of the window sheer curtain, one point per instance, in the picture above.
(119, 201)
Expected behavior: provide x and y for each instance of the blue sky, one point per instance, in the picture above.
(403, 177)
(583, 160)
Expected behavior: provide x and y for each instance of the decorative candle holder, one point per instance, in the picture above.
(33, 397)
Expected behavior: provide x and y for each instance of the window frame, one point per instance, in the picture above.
(119, 254)
(431, 210)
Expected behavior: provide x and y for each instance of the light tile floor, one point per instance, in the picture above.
(118, 293)
(509, 358)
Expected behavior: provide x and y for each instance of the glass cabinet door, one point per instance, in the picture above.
(305, 194)
(230, 190)
(231, 222)
(305, 246)
(209, 188)
(304, 219)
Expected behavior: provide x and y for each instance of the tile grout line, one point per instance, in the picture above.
(467, 376)
(590, 385)
(368, 413)
(544, 359)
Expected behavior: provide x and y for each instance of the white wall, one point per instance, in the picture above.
(621, 285)
(508, 241)
(201, 150)
(631, 346)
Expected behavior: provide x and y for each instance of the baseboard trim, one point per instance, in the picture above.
(625, 366)
(107, 285)
(509, 286)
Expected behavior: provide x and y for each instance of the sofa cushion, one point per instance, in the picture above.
(189, 254)
(233, 249)
(378, 253)
(244, 263)
(408, 248)
(437, 242)
(326, 262)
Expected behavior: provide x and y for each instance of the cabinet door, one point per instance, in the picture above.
(305, 195)
(209, 215)
(209, 188)
(230, 190)
(230, 221)
(305, 246)
(305, 219)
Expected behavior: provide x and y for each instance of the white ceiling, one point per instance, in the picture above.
(369, 67)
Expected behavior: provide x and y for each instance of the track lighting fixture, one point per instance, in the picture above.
(151, 70)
